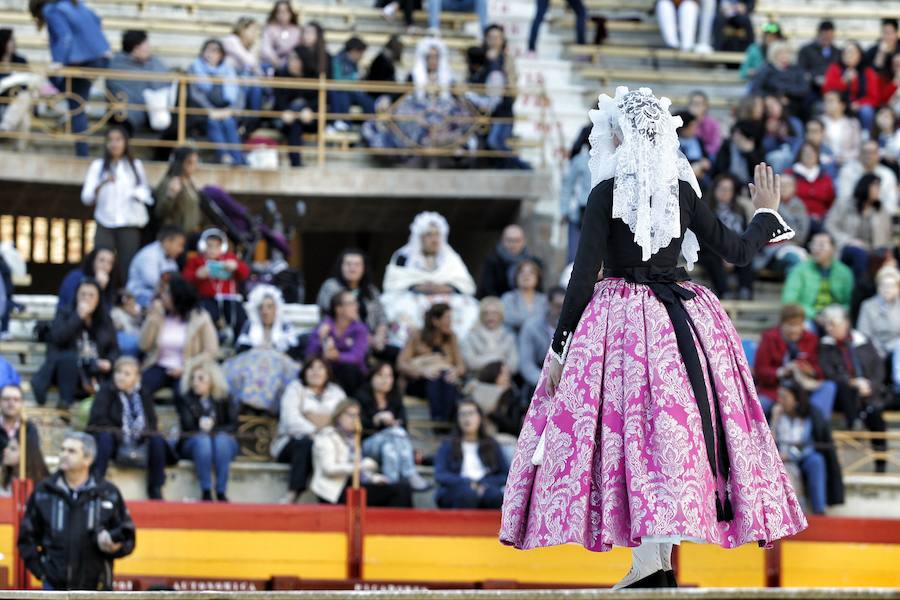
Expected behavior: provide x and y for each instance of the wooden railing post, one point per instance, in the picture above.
(320, 130)
(182, 111)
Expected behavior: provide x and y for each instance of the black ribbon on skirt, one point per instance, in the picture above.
(664, 285)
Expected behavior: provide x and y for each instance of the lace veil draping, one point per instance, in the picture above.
(646, 164)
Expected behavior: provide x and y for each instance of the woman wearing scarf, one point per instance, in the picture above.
(220, 98)
(266, 348)
(423, 272)
(645, 429)
(124, 423)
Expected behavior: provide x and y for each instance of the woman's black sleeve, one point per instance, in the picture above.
(588, 260)
(738, 249)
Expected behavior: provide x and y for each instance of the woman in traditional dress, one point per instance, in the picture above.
(424, 272)
(645, 429)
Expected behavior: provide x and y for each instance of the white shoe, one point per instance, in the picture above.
(341, 126)
(645, 561)
(390, 11)
(418, 483)
(703, 49)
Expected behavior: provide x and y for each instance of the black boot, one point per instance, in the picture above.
(655, 580)
(207, 496)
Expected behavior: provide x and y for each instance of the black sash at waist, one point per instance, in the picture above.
(647, 274)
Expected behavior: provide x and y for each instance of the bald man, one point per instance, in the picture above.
(499, 266)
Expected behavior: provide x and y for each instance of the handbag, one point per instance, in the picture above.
(132, 455)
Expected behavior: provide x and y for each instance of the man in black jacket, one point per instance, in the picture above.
(74, 525)
(815, 57)
(849, 359)
(500, 265)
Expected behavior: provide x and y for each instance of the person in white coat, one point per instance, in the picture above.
(334, 461)
(116, 186)
(306, 407)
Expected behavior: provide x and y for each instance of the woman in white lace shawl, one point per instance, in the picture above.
(425, 271)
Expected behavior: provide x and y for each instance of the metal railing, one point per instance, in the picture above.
(857, 456)
(448, 128)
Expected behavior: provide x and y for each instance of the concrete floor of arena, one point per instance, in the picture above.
(580, 594)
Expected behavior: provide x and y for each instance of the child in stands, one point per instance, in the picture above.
(217, 273)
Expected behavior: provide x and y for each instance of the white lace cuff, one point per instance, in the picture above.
(783, 232)
(561, 357)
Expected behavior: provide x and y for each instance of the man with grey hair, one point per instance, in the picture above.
(75, 526)
(498, 272)
(850, 359)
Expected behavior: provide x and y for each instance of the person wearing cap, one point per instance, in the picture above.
(217, 273)
(755, 58)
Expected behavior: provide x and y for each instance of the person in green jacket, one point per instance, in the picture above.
(755, 56)
(820, 281)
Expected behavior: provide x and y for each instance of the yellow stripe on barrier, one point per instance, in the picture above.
(444, 558)
(236, 554)
(832, 564)
(711, 566)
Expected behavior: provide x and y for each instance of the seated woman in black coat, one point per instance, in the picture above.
(298, 107)
(383, 419)
(81, 350)
(208, 422)
(470, 468)
(123, 421)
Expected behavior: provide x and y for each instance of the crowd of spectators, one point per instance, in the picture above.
(236, 76)
(183, 321)
(183, 313)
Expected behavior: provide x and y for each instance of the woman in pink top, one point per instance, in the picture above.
(281, 35)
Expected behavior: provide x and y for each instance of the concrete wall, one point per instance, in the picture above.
(344, 205)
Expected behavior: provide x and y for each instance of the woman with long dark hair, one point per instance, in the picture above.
(116, 186)
(280, 35)
(175, 331)
(177, 196)
(298, 107)
(98, 264)
(383, 419)
(859, 83)
(35, 465)
(860, 226)
(805, 444)
(469, 467)
(313, 37)
(81, 348)
(76, 40)
(433, 363)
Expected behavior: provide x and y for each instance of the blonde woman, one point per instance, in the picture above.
(334, 449)
(208, 424)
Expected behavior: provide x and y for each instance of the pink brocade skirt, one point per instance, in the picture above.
(624, 454)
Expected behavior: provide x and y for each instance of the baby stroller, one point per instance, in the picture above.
(246, 230)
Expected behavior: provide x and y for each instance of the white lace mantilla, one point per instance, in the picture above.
(646, 164)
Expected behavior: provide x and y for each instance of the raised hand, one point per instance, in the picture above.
(765, 191)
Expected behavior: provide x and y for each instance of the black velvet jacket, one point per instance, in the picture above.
(609, 243)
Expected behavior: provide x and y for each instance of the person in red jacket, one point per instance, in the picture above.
(217, 275)
(859, 83)
(814, 186)
(789, 351)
